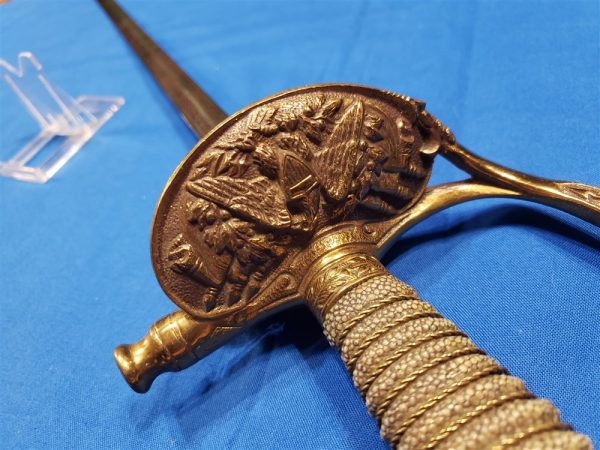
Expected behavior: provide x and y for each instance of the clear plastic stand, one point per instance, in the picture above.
(71, 122)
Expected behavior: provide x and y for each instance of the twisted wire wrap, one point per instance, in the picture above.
(427, 384)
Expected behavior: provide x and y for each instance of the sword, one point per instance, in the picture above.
(291, 200)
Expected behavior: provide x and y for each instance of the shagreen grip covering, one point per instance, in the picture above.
(426, 383)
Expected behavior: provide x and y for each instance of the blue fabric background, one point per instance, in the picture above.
(518, 81)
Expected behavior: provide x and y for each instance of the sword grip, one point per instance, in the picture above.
(424, 381)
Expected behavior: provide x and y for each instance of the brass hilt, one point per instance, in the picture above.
(268, 210)
(173, 343)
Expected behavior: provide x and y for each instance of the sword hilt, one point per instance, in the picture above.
(426, 383)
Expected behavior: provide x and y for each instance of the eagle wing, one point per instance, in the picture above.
(335, 163)
(255, 199)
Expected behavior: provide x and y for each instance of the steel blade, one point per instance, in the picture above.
(199, 111)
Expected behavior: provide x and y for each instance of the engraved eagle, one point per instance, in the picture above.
(255, 199)
(336, 162)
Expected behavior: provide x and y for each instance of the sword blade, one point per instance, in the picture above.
(199, 111)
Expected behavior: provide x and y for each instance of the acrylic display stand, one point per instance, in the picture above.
(69, 121)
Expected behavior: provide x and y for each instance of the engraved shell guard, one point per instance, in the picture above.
(264, 182)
